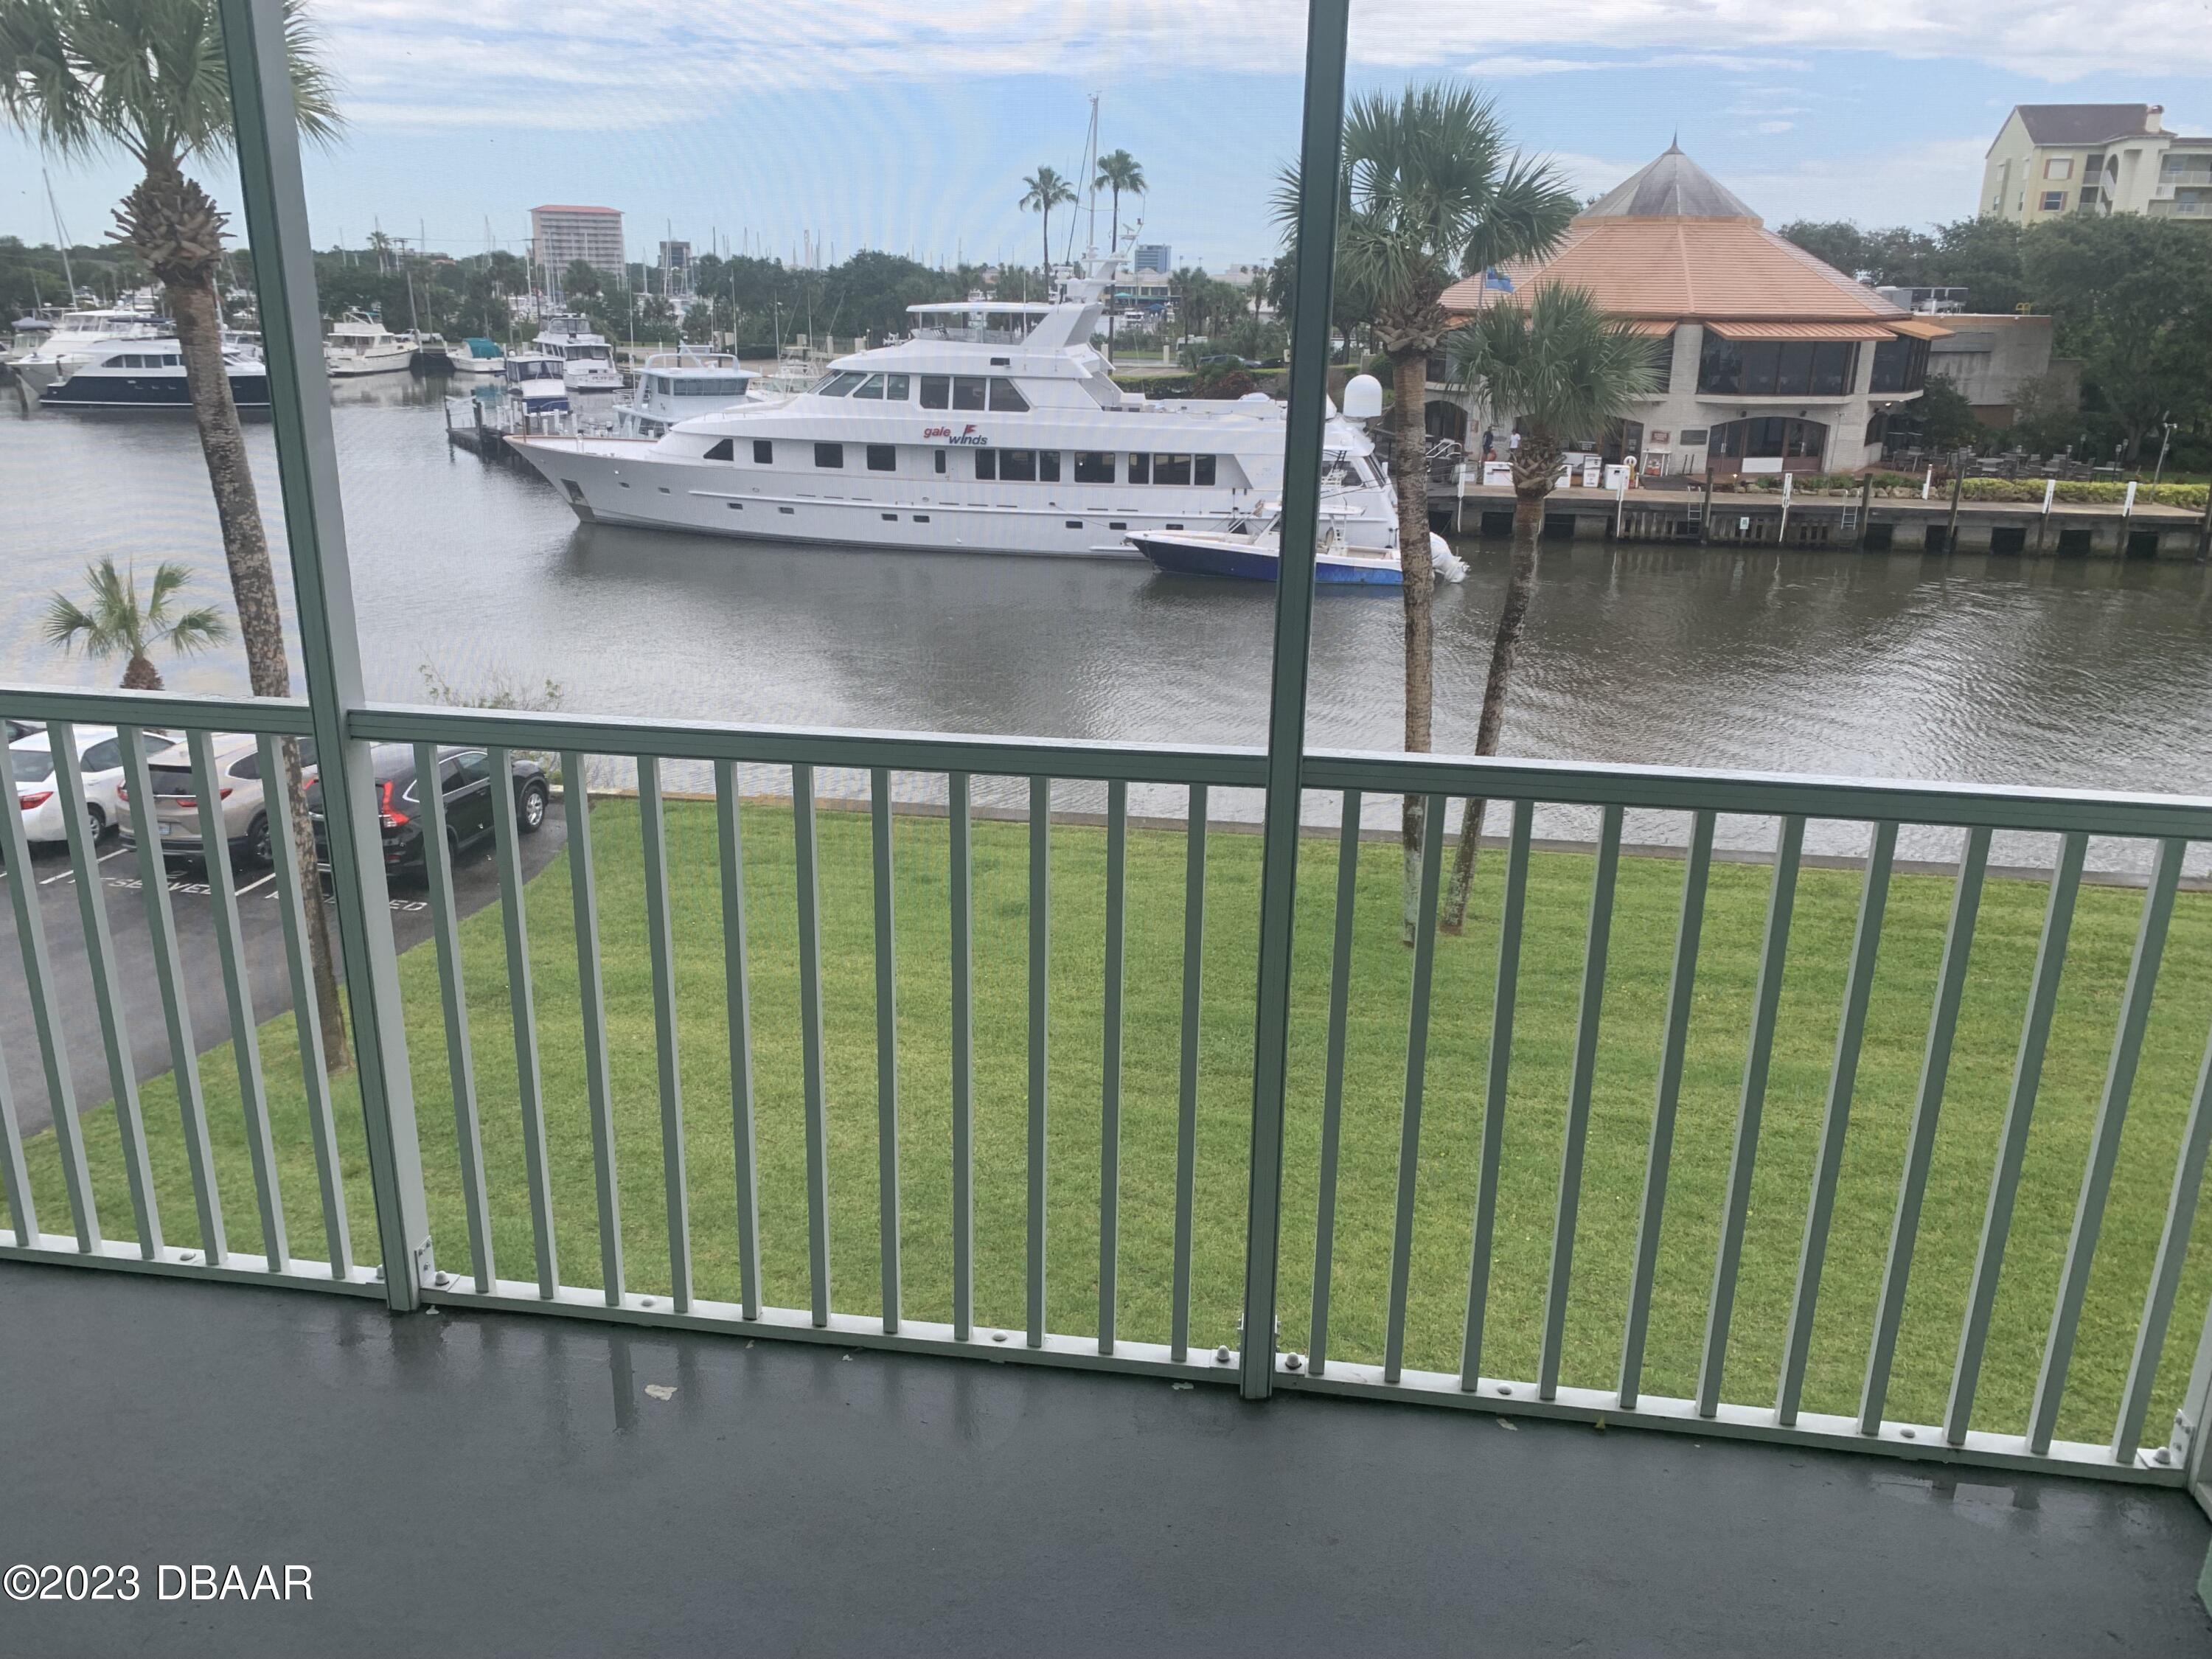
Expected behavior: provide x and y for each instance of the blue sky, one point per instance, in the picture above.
(848, 120)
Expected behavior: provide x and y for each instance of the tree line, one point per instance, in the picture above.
(2130, 297)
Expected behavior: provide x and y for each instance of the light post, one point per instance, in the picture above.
(2163, 443)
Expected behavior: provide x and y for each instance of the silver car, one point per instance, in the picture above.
(239, 800)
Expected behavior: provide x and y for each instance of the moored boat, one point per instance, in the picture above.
(1254, 554)
(587, 361)
(996, 427)
(676, 385)
(151, 374)
(360, 345)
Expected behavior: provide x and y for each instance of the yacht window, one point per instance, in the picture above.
(870, 387)
(883, 458)
(172, 362)
(656, 383)
(940, 462)
(895, 388)
(987, 464)
(1201, 469)
(1048, 466)
(1094, 466)
(1018, 465)
(720, 451)
(1171, 469)
(1005, 395)
(838, 385)
(968, 390)
(937, 392)
(1140, 469)
(764, 452)
(829, 454)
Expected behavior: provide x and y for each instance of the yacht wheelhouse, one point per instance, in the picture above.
(676, 385)
(995, 427)
(588, 361)
(536, 380)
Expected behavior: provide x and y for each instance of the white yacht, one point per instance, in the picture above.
(151, 374)
(361, 345)
(77, 336)
(589, 360)
(995, 427)
(676, 385)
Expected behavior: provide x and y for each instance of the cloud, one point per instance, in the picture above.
(1918, 184)
(651, 62)
(1774, 126)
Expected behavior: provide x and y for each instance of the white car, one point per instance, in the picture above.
(99, 757)
(239, 797)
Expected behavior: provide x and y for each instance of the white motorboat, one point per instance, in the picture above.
(361, 345)
(996, 427)
(1253, 552)
(475, 355)
(151, 374)
(588, 361)
(535, 381)
(676, 385)
(77, 337)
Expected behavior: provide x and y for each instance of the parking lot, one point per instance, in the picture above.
(475, 885)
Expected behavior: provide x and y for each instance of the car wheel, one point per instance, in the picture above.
(257, 841)
(529, 808)
(95, 821)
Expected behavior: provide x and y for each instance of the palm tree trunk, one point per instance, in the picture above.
(1409, 469)
(139, 674)
(1512, 616)
(198, 318)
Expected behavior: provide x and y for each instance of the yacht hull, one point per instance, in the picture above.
(616, 481)
(93, 391)
(1236, 556)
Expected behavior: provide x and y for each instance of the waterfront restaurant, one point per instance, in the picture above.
(1768, 360)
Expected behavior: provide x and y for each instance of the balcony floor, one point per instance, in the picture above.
(493, 1485)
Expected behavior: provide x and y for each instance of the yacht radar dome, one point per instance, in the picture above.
(1363, 399)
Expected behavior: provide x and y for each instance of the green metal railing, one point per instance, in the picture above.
(344, 725)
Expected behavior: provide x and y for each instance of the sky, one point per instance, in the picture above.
(849, 124)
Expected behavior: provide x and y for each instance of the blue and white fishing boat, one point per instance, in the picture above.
(1251, 552)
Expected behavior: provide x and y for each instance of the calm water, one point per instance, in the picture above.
(2089, 674)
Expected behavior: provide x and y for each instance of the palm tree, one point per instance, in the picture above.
(115, 623)
(1117, 171)
(1566, 371)
(146, 76)
(1046, 190)
(1428, 193)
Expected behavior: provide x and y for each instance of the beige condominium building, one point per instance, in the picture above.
(1767, 359)
(2050, 160)
(560, 233)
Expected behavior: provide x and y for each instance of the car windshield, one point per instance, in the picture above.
(32, 765)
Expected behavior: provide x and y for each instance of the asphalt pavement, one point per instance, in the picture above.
(475, 885)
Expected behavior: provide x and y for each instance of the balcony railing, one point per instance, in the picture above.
(962, 1193)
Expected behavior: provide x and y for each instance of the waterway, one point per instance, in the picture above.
(2086, 674)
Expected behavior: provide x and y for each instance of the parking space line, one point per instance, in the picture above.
(251, 886)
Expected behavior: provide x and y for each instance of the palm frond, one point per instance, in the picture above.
(1558, 363)
(198, 629)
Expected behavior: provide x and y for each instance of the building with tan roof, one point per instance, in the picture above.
(1768, 360)
(2052, 160)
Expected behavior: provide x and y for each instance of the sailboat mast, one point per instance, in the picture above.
(61, 236)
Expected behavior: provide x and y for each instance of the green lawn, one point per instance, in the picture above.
(1649, 896)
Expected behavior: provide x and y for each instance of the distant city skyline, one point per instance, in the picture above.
(849, 124)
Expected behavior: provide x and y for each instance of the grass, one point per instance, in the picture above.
(1625, 1079)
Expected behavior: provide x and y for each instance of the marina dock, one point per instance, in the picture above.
(1835, 523)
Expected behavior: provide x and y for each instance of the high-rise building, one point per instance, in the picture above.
(676, 268)
(559, 235)
(1153, 256)
(2052, 160)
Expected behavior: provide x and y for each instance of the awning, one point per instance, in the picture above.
(1801, 331)
(1914, 328)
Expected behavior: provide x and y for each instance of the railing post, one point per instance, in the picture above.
(1320, 154)
(330, 646)
(2190, 1444)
